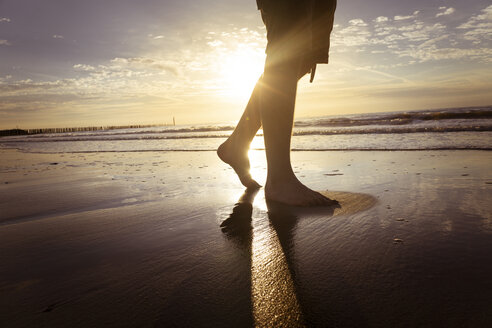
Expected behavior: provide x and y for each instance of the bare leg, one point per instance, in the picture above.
(277, 92)
(277, 98)
(234, 151)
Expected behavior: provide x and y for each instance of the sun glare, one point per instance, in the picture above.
(240, 71)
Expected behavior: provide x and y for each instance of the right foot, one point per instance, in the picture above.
(239, 161)
(296, 194)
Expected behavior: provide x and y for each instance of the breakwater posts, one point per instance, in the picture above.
(16, 132)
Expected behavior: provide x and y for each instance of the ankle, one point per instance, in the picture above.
(278, 182)
(234, 145)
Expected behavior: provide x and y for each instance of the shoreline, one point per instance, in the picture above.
(252, 149)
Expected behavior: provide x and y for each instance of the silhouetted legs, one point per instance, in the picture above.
(272, 105)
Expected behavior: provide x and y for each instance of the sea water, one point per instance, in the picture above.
(458, 128)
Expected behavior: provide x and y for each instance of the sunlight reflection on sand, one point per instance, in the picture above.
(273, 291)
(274, 298)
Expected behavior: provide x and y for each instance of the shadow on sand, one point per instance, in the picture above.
(238, 225)
(278, 294)
(330, 310)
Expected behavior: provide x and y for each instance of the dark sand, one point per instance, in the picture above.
(134, 240)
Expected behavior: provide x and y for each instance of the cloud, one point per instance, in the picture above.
(446, 12)
(192, 66)
(423, 32)
(482, 20)
(357, 22)
(29, 85)
(120, 83)
(84, 68)
(354, 35)
(57, 36)
(399, 18)
(5, 43)
(394, 35)
(155, 37)
(433, 52)
(4, 20)
(408, 40)
(381, 19)
(144, 64)
(120, 75)
(479, 27)
(188, 73)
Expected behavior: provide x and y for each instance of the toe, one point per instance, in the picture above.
(331, 202)
(249, 182)
(322, 200)
(325, 201)
(254, 185)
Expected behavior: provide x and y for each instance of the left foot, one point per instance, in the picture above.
(239, 161)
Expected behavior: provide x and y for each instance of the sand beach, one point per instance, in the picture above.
(125, 239)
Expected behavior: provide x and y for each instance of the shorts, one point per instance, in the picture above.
(298, 29)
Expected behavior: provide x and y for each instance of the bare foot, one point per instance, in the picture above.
(295, 193)
(239, 161)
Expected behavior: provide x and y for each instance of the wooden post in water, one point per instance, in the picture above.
(174, 121)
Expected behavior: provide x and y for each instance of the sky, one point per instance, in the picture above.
(67, 63)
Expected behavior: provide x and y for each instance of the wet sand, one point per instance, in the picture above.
(134, 239)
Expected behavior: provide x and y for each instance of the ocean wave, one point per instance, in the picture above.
(471, 118)
(204, 135)
(400, 118)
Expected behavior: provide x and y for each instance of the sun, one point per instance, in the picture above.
(240, 70)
